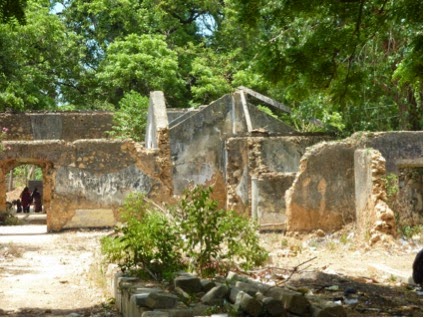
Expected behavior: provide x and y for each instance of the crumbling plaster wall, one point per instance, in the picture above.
(157, 137)
(323, 193)
(86, 180)
(374, 218)
(259, 171)
(198, 141)
(58, 125)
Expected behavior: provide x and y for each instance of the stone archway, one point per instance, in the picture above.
(46, 168)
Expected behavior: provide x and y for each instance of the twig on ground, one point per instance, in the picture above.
(295, 269)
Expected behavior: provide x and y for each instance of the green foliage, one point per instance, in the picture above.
(35, 60)
(211, 73)
(267, 111)
(146, 241)
(8, 219)
(140, 63)
(215, 238)
(408, 231)
(12, 9)
(131, 118)
(362, 58)
(152, 242)
(351, 65)
(391, 184)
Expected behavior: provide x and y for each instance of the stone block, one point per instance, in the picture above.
(207, 285)
(273, 307)
(200, 309)
(122, 294)
(135, 307)
(322, 308)
(293, 302)
(189, 284)
(234, 291)
(247, 288)
(248, 304)
(160, 300)
(216, 296)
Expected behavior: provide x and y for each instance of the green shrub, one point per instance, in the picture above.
(146, 243)
(408, 231)
(130, 119)
(215, 239)
(152, 242)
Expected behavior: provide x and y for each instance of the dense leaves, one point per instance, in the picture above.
(12, 9)
(362, 59)
(351, 64)
(130, 118)
(197, 236)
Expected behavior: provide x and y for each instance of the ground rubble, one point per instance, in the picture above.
(302, 290)
(234, 295)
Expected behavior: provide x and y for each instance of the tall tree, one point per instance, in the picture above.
(361, 59)
(35, 59)
(101, 23)
(12, 9)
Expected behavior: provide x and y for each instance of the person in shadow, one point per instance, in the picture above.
(36, 197)
(26, 199)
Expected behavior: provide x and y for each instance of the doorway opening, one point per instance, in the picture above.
(25, 194)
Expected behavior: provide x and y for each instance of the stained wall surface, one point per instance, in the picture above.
(257, 165)
(85, 181)
(56, 125)
(323, 193)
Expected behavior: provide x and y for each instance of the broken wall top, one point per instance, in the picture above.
(67, 126)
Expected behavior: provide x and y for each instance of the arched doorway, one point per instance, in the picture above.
(16, 174)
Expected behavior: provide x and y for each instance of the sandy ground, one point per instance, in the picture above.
(58, 274)
(386, 263)
(50, 274)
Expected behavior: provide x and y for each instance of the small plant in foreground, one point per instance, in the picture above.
(213, 238)
(145, 243)
(153, 242)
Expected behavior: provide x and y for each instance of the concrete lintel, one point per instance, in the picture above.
(412, 163)
(265, 99)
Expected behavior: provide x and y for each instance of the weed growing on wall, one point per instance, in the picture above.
(197, 236)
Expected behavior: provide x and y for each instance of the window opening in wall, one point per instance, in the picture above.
(24, 194)
(405, 197)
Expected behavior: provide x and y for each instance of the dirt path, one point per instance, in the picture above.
(50, 274)
(58, 274)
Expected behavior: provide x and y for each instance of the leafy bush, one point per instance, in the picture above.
(146, 243)
(214, 238)
(392, 184)
(7, 218)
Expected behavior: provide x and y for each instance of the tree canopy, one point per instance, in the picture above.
(12, 9)
(352, 64)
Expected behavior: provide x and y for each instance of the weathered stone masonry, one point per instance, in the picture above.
(85, 180)
(257, 165)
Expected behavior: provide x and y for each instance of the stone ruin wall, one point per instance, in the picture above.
(259, 171)
(408, 201)
(85, 181)
(56, 125)
(257, 166)
(374, 218)
(85, 175)
(323, 194)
